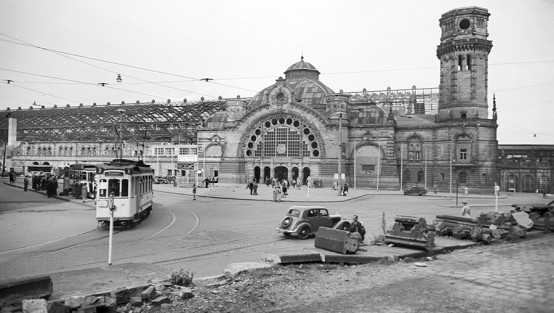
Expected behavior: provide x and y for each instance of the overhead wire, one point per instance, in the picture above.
(69, 56)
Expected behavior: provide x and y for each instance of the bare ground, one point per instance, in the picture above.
(377, 287)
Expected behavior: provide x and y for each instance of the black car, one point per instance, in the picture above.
(415, 191)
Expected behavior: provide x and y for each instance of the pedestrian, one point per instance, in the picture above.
(434, 187)
(12, 177)
(250, 186)
(193, 191)
(277, 193)
(466, 211)
(344, 191)
(25, 183)
(285, 189)
(335, 185)
(357, 227)
(255, 186)
(84, 191)
(206, 182)
(466, 191)
(76, 190)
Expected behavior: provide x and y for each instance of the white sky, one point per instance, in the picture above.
(245, 45)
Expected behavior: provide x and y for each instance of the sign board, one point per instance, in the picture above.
(187, 158)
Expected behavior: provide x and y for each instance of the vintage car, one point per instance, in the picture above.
(304, 221)
(415, 191)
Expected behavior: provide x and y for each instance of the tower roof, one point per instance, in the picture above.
(301, 65)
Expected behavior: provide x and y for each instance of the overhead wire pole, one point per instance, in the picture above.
(340, 152)
(378, 164)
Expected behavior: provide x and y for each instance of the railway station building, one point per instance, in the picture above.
(298, 127)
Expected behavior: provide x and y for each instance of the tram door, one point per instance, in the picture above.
(281, 173)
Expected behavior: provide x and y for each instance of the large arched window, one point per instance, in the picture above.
(282, 137)
(414, 149)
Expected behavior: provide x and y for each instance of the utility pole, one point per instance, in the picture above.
(4, 159)
(340, 152)
(120, 111)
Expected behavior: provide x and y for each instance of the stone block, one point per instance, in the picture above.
(148, 293)
(14, 291)
(35, 306)
(58, 307)
(160, 300)
(123, 295)
(74, 302)
(135, 301)
(186, 293)
(87, 309)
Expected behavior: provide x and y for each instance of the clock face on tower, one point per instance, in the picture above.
(464, 24)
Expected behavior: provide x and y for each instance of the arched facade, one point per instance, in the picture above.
(297, 127)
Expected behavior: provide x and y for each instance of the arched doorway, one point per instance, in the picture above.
(257, 174)
(294, 173)
(267, 173)
(367, 160)
(305, 175)
(281, 173)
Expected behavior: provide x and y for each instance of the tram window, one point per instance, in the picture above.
(124, 187)
(103, 187)
(113, 186)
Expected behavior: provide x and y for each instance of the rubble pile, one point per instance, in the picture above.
(122, 300)
(411, 232)
(486, 227)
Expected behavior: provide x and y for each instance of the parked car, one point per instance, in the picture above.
(415, 191)
(304, 221)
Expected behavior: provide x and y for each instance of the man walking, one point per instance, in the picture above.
(466, 211)
(25, 183)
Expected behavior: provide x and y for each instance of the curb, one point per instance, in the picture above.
(42, 193)
(264, 200)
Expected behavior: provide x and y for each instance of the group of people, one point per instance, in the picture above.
(253, 186)
(49, 184)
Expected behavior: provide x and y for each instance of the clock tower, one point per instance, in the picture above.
(463, 54)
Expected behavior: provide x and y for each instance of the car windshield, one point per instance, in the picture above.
(294, 212)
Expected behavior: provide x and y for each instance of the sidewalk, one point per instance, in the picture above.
(240, 192)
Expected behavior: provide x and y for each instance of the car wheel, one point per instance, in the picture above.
(304, 232)
(286, 222)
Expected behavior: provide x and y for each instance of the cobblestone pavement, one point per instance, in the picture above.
(516, 277)
(520, 273)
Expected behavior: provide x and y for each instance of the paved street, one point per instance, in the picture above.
(224, 225)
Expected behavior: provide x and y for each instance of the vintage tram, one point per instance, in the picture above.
(124, 186)
(79, 174)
